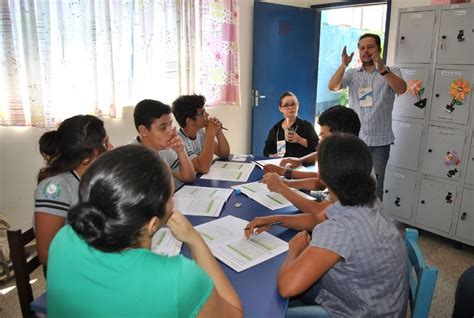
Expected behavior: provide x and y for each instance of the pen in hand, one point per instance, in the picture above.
(266, 224)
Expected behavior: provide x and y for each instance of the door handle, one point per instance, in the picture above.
(257, 96)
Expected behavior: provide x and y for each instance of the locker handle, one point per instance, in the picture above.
(422, 202)
(463, 216)
(386, 191)
(430, 150)
(437, 95)
(443, 37)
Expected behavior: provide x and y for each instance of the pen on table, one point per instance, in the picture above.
(266, 224)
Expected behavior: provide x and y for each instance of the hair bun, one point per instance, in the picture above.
(88, 221)
(49, 144)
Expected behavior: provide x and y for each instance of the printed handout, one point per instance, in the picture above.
(225, 238)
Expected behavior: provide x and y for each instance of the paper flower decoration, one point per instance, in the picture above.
(415, 87)
(458, 89)
(452, 158)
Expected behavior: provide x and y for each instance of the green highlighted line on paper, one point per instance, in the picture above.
(274, 199)
(249, 188)
(260, 243)
(239, 252)
(209, 206)
(161, 237)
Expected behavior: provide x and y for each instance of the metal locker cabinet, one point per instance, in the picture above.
(415, 37)
(470, 165)
(406, 147)
(465, 227)
(445, 108)
(456, 36)
(399, 189)
(435, 205)
(414, 102)
(442, 155)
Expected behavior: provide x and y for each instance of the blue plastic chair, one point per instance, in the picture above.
(422, 279)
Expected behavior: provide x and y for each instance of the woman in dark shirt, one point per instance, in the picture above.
(291, 136)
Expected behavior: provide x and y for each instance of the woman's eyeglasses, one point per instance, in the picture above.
(289, 105)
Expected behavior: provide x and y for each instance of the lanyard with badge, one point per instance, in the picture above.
(366, 93)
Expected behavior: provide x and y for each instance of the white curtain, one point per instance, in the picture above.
(64, 57)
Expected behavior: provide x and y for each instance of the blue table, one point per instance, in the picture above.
(255, 286)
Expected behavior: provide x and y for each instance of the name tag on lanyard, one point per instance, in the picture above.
(365, 96)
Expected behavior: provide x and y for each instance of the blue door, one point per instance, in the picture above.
(285, 41)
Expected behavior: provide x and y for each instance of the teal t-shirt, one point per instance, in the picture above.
(85, 282)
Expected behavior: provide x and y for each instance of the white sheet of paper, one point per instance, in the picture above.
(241, 158)
(164, 243)
(203, 201)
(276, 162)
(229, 171)
(259, 192)
(225, 238)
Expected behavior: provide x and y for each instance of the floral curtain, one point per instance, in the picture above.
(64, 57)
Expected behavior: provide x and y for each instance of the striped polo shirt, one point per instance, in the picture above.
(376, 120)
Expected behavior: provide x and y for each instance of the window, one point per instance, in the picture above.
(61, 58)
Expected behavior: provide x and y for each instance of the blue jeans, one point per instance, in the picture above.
(380, 156)
(304, 305)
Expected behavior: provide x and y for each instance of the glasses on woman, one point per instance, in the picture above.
(289, 105)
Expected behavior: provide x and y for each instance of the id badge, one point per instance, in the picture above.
(281, 148)
(365, 97)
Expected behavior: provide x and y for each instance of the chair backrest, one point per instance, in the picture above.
(422, 279)
(23, 265)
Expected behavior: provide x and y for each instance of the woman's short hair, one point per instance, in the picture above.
(345, 166)
(75, 140)
(118, 195)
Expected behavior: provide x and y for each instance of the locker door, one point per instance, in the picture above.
(456, 37)
(447, 106)
(442, 156)
(399, 188)
(470, 165)
(413, 103)
(465, 227)
(406, 148)
(415, 37)
(435, 205)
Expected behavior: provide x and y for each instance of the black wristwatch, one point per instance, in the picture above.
(387, 70)
(288, 173)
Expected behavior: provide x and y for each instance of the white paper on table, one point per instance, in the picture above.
(163, 242)
(203, 201)
(259, 192)
(276, 162)
(201, 207)
(229, 171)
(203, 192)
(225, 238)
(241, 158)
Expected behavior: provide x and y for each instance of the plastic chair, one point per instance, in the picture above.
(23, 265)
(422, 279)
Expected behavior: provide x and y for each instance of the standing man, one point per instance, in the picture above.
(202, 135)
(372, 89)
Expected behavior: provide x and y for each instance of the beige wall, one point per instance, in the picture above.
(20, 160)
